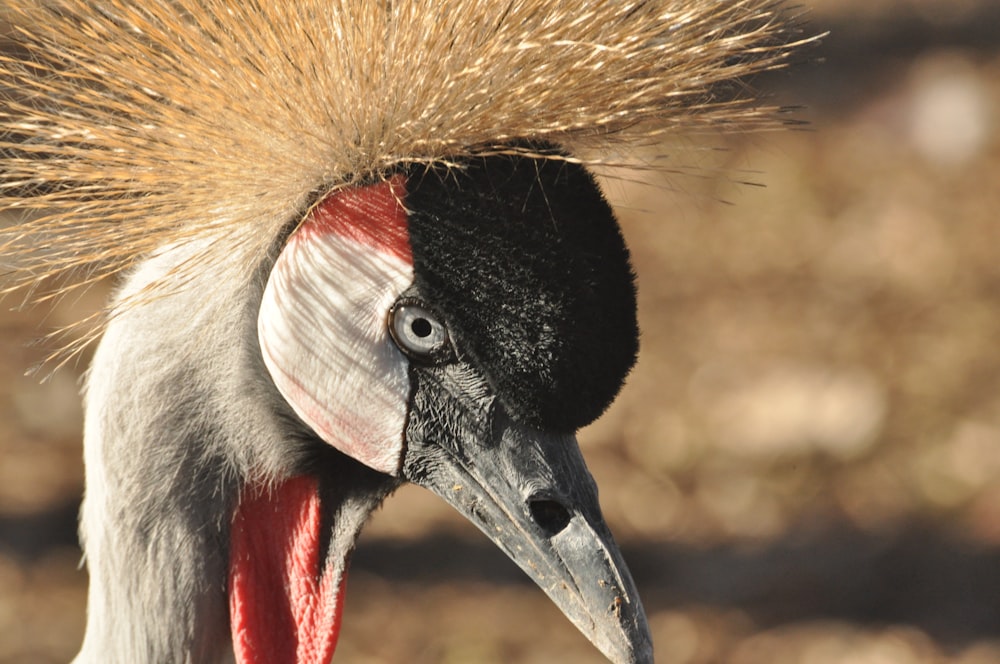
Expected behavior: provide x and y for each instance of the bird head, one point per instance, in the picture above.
(454, 327)
(448, 298)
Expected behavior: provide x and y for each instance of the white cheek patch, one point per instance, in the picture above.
(322, 323)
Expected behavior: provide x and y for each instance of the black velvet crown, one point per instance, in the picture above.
(524, 259)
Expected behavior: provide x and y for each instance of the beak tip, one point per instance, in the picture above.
(627, 643)
(641, 653)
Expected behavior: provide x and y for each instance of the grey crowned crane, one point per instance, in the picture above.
(359, 246)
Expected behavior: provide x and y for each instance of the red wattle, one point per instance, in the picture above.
(284, 607)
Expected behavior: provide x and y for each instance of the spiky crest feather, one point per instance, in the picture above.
(126, 126)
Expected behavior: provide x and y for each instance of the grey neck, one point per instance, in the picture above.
(180, 414)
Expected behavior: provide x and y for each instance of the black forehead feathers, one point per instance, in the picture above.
(525, 260)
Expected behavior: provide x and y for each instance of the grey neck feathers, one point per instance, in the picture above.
(180, 415)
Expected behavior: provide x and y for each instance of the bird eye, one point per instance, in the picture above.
(417, 331)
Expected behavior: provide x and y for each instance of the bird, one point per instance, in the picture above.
(356, 243)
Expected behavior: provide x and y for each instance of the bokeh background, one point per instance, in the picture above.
(804, 467)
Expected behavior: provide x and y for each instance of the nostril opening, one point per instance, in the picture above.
(550, 516)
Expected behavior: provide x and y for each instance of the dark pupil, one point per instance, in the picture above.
(421, 327)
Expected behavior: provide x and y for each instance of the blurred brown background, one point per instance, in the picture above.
(804, 468)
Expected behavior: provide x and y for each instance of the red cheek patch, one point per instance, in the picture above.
(378, 208)
(322, 322)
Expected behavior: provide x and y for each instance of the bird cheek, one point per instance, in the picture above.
(323, 337)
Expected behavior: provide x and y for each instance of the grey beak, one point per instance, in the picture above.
(530, 492)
